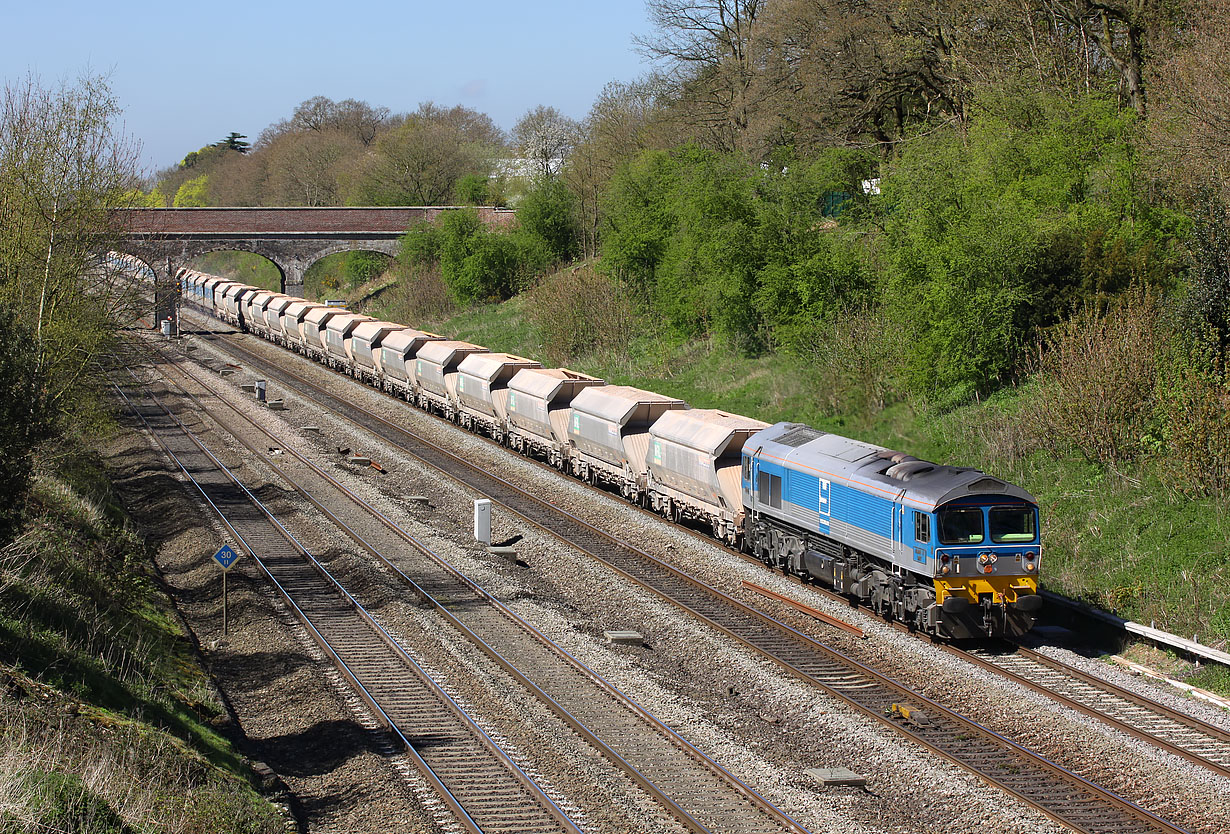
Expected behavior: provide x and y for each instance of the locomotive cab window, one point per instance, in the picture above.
(961, 526)
(747, 468)
(1012, 524)
(922, 527)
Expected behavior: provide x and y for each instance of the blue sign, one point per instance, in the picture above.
(226, 557)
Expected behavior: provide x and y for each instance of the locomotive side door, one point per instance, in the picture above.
(898, 529)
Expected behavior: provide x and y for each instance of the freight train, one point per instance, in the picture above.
(950, 551)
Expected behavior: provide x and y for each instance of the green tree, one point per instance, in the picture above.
(63, 168)
(234, 142)
(548, 212)
(194, 193)
(994, 234)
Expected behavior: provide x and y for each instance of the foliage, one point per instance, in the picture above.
(547, 213)
(990, 235)
(474, 190)
(63, 167)
(1205, 312)
(1095, 384)
(234, 142)
(741, 254)
(477, 264)
(1193, 410)
(362, 266)
(194, 193)
(579, 312)
(24, 414)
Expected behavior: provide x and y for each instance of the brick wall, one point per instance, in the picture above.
(255, 221)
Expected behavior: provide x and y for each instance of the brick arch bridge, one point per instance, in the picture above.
(292, 238)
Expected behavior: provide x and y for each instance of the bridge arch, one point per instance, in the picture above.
(249, 248)
(292, 238)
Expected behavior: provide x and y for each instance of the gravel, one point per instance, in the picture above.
(762, 725)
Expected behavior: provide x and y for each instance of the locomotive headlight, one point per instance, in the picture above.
(944, 570)
(944, 557)
(1029, 567)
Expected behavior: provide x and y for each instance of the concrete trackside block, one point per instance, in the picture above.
(226, 371)
(275, 405)
(836, 777)
(506, 552)
(625, 638)
(359, 460)
(248, 387)
(313, 429)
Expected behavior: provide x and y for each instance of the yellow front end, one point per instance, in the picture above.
(1001, 588)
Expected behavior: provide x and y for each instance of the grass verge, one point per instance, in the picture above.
(107, 719)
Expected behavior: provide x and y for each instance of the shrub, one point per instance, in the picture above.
(579, 312)
(419, 297)
(1097, 375)
(1193, 404)
(361, 267)
(548, 212)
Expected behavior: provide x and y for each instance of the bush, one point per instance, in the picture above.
(421, 244)
(1193, 404)
(1097, 374)
(24, 416)
(419, 298)
(548, 212)
(361, 267)
(579, 312)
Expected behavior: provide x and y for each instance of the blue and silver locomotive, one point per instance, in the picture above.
(949, 551)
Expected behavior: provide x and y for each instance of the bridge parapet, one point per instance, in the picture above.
(293, 238)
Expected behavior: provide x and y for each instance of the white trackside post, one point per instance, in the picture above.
(482, 520)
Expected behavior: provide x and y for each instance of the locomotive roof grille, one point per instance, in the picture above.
(800, 435)
(987, 485)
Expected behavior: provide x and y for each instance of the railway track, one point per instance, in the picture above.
(691, 787)
(482, 785)
(1056, 792)
(1182, 735)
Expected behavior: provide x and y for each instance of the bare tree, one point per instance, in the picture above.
(1190, 127)
(419, 164)
(307, 169)
(476, 128)
(322, 115)
(712, 48)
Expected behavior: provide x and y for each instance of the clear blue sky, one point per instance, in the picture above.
(187, 74)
